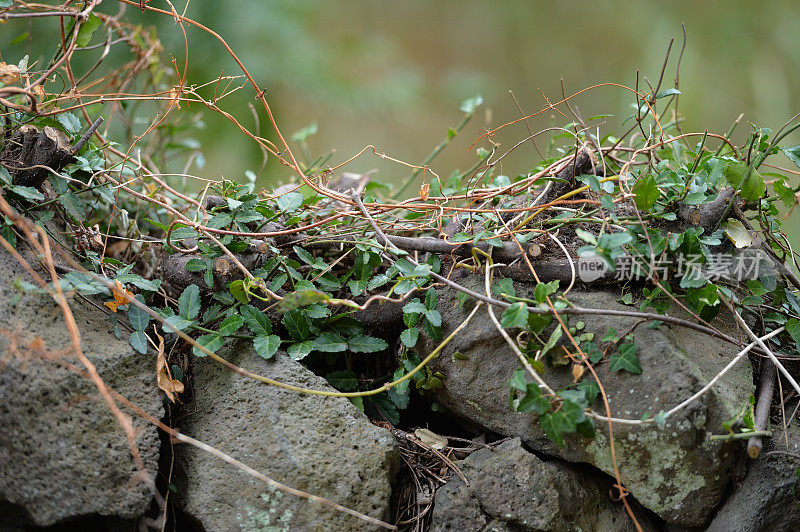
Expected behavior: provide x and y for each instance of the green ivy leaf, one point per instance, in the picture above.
(626, 359)
(212, 342)
(409, 337)
(554, 425)
(543, 290)
(793, 328)
(433, 317)
(366, 344)
(189, 302)
(256, 321)
(345, 380)
(414, 307)
(138, 318)
(86, 31)
(503, 286)
(267, 346)
(300, 350)
(237, 290)
(178, 322)
(69, 122)
(290, 201)
(533, 400)
(138, 341)
(431, 299)
(330, 342)
(230, 325)
(515, 316)
(745, 179)
(793, 153)
(296, 324)
(646, 191)
(786, 194)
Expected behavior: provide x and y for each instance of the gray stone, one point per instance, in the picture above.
(676, 471)
(769, 497)
(511, 489)
(62, 453)
(321, 445)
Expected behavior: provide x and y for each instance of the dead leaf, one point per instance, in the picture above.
(168, 385)
(222, 266)
(577, 372)
(175, 96)
(9, 73)
(122, 296)
(424, 190)
(431, 438)
(38, 90)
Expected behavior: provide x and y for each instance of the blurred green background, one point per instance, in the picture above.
(392, 74)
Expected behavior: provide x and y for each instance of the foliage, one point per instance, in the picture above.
(320, 262)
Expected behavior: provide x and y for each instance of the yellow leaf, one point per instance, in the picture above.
(122, 296)
(424, 190)
(170, 386)
(175, 96)
(9, 73)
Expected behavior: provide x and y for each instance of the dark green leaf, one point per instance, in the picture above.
(27, 192)
(409, 337)
(793, 153)
(189, 302)
(793, 328)
(296, 324)
(431, 299)
(345, 381)
(301, 350)
(138, 341)
(69, 122)
(139, 318)
(433, 317)
(330, 342)
(267, 346)
(257, 321)
(646, 191)
(554, 425)
(230, 325)
(626, 359)
(85, 33)
(366, 344)
(212, 342)
(414, 307)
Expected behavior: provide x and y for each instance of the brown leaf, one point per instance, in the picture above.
(175, 96)
(577, 372)
(222, 266)
(9, 73)
(168, 385)
(424, 190)
(122, 296)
